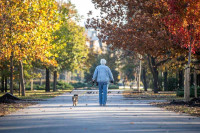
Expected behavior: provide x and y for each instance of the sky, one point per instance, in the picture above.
(83, 7)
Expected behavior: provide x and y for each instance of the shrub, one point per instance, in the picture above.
(79, 85)
(28, 86)
(15, 86)
(64, 86)
(113, 87)
(89, 88)
(39, 87)
(172, 84)
(180, 93)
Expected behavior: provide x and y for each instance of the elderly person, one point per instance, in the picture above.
(103, 76)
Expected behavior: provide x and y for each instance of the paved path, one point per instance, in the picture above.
(57, 115)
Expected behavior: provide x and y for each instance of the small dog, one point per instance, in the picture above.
(75, 99)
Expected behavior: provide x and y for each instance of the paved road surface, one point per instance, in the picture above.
(57, 115)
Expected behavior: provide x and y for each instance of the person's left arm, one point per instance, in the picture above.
(95, 74)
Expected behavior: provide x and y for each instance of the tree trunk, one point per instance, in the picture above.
(40, 81)
(21, 74)
(187, 73)
(187, 84)
(195, 84)
(165, 81)
(2, 84)
(31, 84)
(155, 81)
(6, 84)
(144, 78)
(180, 80)
(11, 73)
(154, 71)
(54, 80)
(19, 89)
(139, 76)
(47, 88)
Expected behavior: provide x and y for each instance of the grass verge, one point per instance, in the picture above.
(168, 96)
(194, 111)
(7, 108)
(31, 98)
(149, 95)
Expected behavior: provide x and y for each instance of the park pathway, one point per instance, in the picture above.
(57, 115)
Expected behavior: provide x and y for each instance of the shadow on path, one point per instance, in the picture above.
(57, 115)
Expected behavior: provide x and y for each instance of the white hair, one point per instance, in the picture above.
(103, 61)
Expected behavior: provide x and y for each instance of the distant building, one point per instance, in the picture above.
(94, 42)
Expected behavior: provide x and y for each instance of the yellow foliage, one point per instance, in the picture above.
(28, 28)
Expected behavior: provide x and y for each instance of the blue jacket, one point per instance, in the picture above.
(103, 73)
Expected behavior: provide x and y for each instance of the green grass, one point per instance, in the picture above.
(149, 95)
(39, 94)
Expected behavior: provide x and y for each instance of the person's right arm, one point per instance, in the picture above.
(110, 75)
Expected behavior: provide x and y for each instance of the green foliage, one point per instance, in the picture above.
(60, 85)
(94, 61)
(35, 87)
(64, 86)
(79, 85)
(16, 86)
(40, 87)
(113, 86)
(89, 88)
(69, 41)
(128, 70)
(160, 83)
(180, 93)
(88, 75)
(172, 84)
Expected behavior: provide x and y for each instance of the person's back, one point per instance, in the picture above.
(103, 76)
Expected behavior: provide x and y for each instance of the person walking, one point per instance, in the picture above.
(103, 75)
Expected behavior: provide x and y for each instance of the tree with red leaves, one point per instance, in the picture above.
(182, 21)
(136, 25)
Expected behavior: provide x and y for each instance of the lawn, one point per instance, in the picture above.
(39, 94)
(31, 98)
(149, 95)
(168, 105)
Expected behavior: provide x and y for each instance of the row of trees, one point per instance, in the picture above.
(165, 32)
(38, 34)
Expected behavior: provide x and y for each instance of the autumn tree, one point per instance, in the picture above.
(136, 26)
(27, 27)
(69, 48)
(182, 21)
